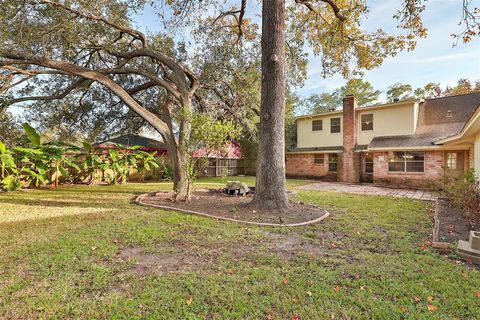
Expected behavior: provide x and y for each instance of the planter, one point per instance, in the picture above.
(475, 239)
(470, 250)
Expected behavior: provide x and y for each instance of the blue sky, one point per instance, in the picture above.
(433, 60)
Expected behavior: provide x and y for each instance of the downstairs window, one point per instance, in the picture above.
(318, 159)
(332, 162)
(407, 161)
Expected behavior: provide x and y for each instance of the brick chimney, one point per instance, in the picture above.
(350, 160)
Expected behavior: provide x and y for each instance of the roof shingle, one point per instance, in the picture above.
(438, 119)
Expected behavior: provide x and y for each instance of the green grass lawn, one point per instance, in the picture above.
(89, 252)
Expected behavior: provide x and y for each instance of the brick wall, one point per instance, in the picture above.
(350, 160)
(430, 178)
(302, 165)
(470, 160)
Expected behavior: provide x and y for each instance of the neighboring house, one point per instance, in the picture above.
(227, 161)
(131, 140)
(407, 143)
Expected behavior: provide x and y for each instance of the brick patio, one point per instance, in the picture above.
(368, 189)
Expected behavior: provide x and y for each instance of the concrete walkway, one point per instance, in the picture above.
(369, 189)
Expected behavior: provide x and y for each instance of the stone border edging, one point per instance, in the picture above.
(139, 201)
(436, 229)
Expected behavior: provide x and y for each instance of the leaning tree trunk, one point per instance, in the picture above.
(179, 163)
(184, 185)
(270, 190)
(178, 151)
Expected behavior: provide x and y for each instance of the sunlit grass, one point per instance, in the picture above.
(59, 259)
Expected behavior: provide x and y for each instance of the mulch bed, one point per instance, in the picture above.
(453, 225)
(219, 204)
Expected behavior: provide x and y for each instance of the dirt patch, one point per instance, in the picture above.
(148, 263)
(219, 204)
(286, 246)
(289, 245)
(453, 225)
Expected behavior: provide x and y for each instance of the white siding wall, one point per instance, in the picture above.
(308, 138)
(390, 121)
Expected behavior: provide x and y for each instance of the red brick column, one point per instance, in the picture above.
(350, 159)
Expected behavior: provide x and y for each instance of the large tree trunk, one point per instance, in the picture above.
(178, 151)
(270, 190)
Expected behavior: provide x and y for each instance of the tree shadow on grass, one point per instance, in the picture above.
(64, 203)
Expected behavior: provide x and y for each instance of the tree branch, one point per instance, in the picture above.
(134, 33)
(130, 101)
(74, 85)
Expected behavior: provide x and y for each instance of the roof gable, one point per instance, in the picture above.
(438, 119)
(131, 140)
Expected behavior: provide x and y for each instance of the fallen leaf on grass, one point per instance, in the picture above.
(430, 298)
(295, 317)
(416, 299)
(189, 301)
(478, 294)
(362, 288)
(432, 308)
(308, 293)
(337, 289)
(270, 316)
(285, 281)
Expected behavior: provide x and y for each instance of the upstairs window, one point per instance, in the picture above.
(367, 122)
(334, 125)
(332, 162)
(317, 125)
(318, 159)
(406, 161)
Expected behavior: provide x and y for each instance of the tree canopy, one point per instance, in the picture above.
(362, 90)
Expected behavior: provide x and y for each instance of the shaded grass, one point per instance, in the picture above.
(59, 259)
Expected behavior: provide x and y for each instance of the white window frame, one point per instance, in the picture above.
(405, 161)
(321, 125)
(366, 122)
(339, 125)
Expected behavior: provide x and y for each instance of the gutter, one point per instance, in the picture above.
(436, 147)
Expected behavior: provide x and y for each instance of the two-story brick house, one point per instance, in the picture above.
(407, 143)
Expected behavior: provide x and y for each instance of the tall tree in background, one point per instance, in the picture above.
(10, 132)
(430, 90)
(399, 91)
(362, 90)
(463, 86)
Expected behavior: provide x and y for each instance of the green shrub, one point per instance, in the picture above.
(464, 193)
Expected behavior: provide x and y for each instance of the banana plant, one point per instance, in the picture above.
(9, 177)
(34, 166)
(120, 162)
(57, 155)
(44, 158)
(145, 162)
(90, 163)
